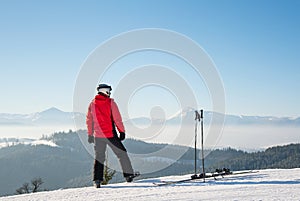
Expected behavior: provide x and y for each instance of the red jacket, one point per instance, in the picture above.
(102, 113)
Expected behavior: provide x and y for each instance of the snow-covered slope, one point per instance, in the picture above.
(273, 184)
(33, 142)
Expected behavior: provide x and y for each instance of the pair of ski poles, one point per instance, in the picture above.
(199, 118)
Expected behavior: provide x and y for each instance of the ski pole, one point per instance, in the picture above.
(197, 118)
(203, 170)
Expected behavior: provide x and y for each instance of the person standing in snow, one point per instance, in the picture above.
(102, 117)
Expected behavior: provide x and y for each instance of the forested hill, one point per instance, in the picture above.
(287, 156)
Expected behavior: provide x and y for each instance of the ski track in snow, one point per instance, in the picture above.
(272, 184)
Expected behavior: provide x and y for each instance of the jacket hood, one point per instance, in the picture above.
(101, 98)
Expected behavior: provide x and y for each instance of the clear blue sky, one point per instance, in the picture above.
(254, 44)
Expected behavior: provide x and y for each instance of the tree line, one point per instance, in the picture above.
(286, 157)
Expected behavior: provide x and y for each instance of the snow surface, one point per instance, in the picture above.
(272, 184)
(25, 141)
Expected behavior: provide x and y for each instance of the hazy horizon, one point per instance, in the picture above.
(239, 137)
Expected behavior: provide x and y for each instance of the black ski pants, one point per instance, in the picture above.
(118, 148)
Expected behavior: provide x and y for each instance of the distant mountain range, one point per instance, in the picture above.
(51, 116)
(54, 116)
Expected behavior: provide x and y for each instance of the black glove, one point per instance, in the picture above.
(91, 139)
(122, 136)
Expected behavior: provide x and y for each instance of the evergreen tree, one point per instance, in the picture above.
(108, 173)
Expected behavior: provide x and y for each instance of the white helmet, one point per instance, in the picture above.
(104, 89)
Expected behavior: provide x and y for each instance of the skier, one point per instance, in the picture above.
(102, 117)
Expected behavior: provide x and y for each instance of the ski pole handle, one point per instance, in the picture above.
(197, 115)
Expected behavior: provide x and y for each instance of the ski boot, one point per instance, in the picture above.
(97, 183)
(130, 177)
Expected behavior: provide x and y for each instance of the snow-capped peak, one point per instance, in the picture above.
(183, 112)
